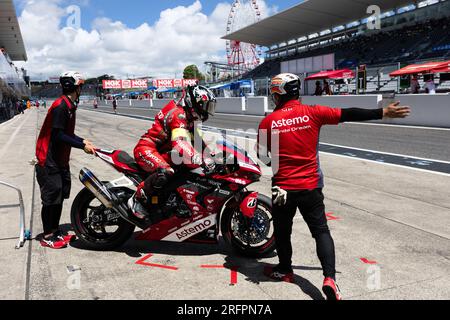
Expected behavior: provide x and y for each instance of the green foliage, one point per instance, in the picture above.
(192, 72)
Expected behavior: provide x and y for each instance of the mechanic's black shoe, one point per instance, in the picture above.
(275, 273)
(137, 207)
(331, 290)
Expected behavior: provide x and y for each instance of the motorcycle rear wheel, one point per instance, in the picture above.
(86, 211)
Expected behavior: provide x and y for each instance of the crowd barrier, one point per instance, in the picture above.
(427, 110)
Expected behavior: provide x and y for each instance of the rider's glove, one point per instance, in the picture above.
(209, 166)
(279, 196)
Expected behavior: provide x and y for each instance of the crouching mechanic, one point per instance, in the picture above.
(172, 134)
(56, 139)
(291, 136)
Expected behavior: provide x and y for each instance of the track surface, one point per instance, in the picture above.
(415, 142)
(414, 147)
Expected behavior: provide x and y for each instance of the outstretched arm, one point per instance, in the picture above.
(392, 111)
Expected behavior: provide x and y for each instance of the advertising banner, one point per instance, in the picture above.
(174, 83)
(125, 84)
(112, 84)
(143, 83)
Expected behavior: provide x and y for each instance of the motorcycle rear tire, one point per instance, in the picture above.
(124, 233)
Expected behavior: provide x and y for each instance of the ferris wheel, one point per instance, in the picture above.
(242, 56)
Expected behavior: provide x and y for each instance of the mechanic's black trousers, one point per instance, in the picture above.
(311, 206)
(55, 185)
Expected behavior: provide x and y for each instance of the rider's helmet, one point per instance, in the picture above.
(201, 100)
(71, 80)
(285, 87)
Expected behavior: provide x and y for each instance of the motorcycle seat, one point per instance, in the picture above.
(128, 160)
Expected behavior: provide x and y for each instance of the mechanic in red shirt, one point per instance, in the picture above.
(56, 140)
(170, 143)
(288, 140)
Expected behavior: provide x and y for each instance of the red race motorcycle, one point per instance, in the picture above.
(194, 207)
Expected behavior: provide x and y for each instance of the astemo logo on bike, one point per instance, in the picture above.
(195, 228)
(289, 122)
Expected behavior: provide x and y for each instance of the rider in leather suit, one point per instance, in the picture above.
(169, 142)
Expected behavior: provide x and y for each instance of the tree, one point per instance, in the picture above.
(192, 72)
(97, 82)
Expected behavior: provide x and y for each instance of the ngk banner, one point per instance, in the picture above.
(174, 83)
(112, 84)
(139, 84)
(125, 84)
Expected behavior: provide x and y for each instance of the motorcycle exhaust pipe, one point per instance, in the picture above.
(90, 181)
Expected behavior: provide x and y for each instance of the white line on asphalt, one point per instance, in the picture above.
(13, 136)
(9, 122)
(233, 130)
(385, 153)
(365, 150)
(387, 164)
(394, 125)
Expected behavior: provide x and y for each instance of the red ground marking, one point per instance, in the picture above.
(331, 217)
(233, 273)
(366, 261)
(143, 262)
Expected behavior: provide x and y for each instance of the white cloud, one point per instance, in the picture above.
(182, 36)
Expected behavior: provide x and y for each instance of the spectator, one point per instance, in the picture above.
(430, 86)
(19, 107)
(319, 89)
(115, 105)
(414, 85)
(95, 103)
(326, 89)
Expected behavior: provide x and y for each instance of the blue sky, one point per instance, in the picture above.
(135, 12)
(126, 37)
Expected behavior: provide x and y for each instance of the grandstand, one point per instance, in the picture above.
(409, 33)
(46, 89)
(13, 81)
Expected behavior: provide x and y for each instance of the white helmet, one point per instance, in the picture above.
(202, 100)
(71, 79)
(286, 84)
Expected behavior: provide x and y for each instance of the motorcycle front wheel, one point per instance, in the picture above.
(250, 237)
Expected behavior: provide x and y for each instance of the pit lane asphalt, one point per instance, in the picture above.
(419, 142)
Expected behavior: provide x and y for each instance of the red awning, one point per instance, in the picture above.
(444, 68)
(335, 74)
(430, 67)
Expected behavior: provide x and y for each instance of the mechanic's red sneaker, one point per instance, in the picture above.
(53, 243)
(275, 274)
(331, 290)
(67, 238)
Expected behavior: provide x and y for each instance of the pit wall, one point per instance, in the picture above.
(431, 110)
